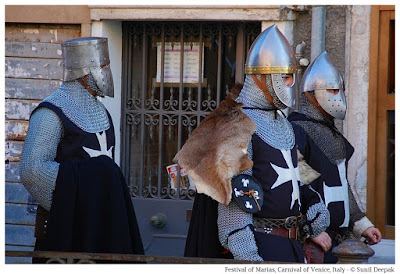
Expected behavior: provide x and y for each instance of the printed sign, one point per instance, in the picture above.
(172, 62)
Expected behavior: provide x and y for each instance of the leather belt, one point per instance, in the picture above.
(287, 223)
(285, 227)
(288, 233)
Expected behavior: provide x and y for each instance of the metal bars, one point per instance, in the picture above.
(160, 131)
(159, 114)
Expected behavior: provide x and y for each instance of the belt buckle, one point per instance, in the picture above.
(288, 222)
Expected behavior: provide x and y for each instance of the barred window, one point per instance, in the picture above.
(165, 99)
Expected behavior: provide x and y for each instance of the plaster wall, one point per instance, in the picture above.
(355, 126)
(113, 31)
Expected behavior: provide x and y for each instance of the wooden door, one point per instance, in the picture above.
(381, 121)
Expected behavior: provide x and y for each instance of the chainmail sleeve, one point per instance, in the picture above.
(355, 212)
(234, 229)
(235, 233)
(38, 170)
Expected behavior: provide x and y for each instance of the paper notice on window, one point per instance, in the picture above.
(172, 62)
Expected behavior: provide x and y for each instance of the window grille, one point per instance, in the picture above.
(165, 99)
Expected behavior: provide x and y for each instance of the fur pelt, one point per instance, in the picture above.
(307, 173)
(217, 149)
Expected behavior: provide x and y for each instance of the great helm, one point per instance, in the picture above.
(86, 55)
(272, 54)
(323, 77)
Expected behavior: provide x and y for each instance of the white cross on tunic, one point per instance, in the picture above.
(102, 138)
(339, 193)
(286, 175)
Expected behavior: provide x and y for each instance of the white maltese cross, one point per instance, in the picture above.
(286, 175)
(102, 138)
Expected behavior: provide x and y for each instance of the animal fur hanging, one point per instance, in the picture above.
(217, 149)
(307, 173)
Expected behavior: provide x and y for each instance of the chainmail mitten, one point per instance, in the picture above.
(38, 169)
(319, 217)
(235, 233)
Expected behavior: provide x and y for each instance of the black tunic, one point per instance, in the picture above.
(330, 177)
(281, 199)
(202, 239)
(329, 172)
(91, 208)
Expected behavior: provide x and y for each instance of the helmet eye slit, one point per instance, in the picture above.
(333, 91)
(288, 80)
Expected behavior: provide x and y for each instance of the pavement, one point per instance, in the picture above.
(384, 252)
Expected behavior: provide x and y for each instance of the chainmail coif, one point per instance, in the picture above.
(272, 127)
(328, 141)
(81, 107)
(92, 84)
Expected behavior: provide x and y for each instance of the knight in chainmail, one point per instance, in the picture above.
(271, 233)
(327, 151)
(70, 125)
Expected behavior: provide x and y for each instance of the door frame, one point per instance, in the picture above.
(379, 103)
